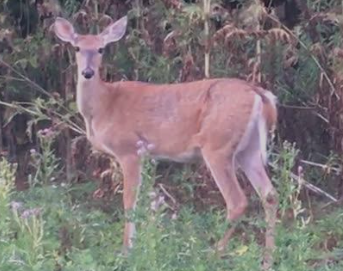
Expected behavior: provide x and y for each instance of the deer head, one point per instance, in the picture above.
(89, 48)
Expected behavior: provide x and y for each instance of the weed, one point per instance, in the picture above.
(45, 162)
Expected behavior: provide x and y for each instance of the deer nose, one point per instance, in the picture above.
(88, 73)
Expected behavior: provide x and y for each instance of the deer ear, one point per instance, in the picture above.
(65, 31)
(114, 31)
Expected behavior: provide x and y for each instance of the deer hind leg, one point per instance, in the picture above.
(223, 171)
(132, 179)
(252, 165)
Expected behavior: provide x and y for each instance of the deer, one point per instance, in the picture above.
(224, 122)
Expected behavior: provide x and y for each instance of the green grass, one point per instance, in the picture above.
(73, 232)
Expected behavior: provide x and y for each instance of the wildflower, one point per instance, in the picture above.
(150, 147)
(47, 132)
(30, 212)
(157, 203)
(15, 205)
(153, 161)
(33, 151)
(40, 133)
(140, 143)
(144, 148)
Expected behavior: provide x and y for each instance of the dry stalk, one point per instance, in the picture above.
(314, 58)
(1, 136)
(257, 77)
(207, 7)
(167, 194)
(324, 167)
(308, 185)
(96, 14)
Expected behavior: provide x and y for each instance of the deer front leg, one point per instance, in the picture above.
(132, 179)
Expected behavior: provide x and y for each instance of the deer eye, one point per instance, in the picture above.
(77, 49)
(101, 50)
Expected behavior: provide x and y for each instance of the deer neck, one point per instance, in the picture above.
(88, 96)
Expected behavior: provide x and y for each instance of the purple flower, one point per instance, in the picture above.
(47, 132)
(140, 143)
(150, 147)
(144, 147)
(15, 205)
(30, 212)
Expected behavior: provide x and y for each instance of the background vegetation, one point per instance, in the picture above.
(60, 211)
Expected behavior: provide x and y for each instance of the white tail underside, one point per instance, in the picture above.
(257, 127)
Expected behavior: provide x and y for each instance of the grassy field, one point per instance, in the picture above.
(62, 227)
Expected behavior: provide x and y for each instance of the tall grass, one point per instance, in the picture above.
(61, 227)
